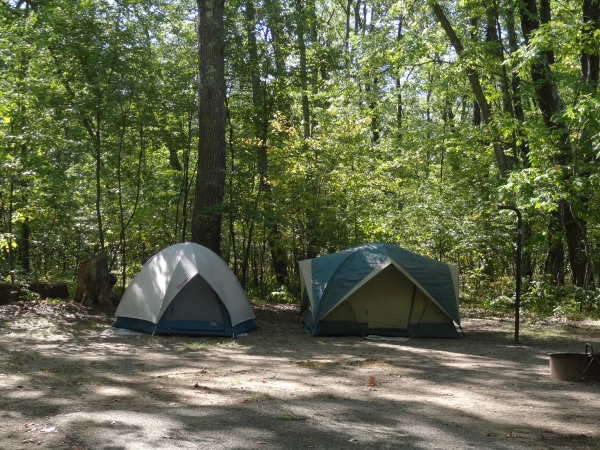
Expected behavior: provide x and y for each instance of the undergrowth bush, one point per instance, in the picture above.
(537, 296)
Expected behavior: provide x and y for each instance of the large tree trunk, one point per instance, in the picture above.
(210, 181)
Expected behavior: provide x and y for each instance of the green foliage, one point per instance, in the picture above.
(394, 152)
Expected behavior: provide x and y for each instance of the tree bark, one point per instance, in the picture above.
(95, 133)
(95, 282)
(300, 31)
(399, 84)
(590, 61)
(210, 180)
(516, 88)
(24, 247)
(476, 110)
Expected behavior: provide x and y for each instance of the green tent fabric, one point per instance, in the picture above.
(379, 289)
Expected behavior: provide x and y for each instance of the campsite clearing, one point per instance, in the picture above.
(63, 384)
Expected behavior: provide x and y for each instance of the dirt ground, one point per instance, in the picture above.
(65, 385)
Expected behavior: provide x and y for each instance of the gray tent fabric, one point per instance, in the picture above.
(379, 288)
(185, 288)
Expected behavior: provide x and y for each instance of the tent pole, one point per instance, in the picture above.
(419, 323)
(356, 318)
(412, 304)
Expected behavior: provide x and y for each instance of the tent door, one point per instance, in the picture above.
(385, 302)
(196, 307)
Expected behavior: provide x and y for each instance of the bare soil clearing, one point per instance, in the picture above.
(64, 385)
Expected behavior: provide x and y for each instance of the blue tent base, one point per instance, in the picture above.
(422, 330)
(185, 327)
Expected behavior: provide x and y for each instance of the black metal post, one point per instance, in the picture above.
(518, 263)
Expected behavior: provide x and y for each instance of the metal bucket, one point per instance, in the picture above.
(578, 367)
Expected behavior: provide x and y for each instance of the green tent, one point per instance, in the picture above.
(379, 289)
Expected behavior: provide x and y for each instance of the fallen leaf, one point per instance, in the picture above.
(159, 387)
(371, 381)
(204, 388)
(166, 436)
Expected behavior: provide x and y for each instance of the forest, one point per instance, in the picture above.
(341, 123)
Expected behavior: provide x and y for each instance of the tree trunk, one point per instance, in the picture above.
(486, 113)
(399, 84)
(95, 133)
(590, 61)
(11, 261)
(555, 260)
(575, 231)
(210, 180)
(24, 247)
(347, 33)
(300, 30)
(516, 87)
(187, 180)
(371, 90)
(98, 149)
(551, 106)
(476, 110)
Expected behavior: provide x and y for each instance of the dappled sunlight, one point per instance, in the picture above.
(21, 394)
(280, 386)
(115, 391)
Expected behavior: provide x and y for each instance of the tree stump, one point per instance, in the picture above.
(95, 282)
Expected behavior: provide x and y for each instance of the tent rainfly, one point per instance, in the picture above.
(185, 289)
(379, 289)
